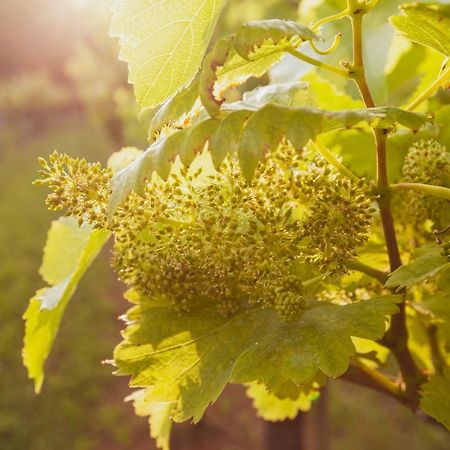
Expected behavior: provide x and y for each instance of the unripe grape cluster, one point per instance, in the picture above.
(427, 162)
(340, 214)
(209, 236)
(199, 237)
(79, 188)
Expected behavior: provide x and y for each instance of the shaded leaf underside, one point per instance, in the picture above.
(188, 359)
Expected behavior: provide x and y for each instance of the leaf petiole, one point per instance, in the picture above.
(434, 191)
(379, 275)
(317, 63)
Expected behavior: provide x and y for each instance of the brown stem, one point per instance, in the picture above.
(396, 338)
(357, 375)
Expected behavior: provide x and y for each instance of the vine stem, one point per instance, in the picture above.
(427, 93)
(434, 191)
(396, 338)
(317, 63)
(365, 376)
(379, 275)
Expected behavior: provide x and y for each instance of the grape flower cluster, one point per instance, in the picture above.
(80, 188)
(204, 235)
(427, 162)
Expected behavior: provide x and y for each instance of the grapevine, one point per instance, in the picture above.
(256, 249)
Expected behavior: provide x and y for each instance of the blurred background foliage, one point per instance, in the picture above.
(62, 87)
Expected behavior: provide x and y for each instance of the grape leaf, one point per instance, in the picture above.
(236, 70)
(267, 126)
(436, 398)
(402, 85)
(173, 108)
(252, 51)
(254, 138)
(273, 408)
(326, 95)
(69, 251)
(425, 24)
(188, 359)
(253, 35)
(429, 261)
(208, 77)
(293, 94)
(228, 136)
(123, 158)
(159, 416)
(163, 45)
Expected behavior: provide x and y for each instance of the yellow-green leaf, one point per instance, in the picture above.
(159, 416)
(426, 24)
(81, 245)
(163, 43)
(273, 408)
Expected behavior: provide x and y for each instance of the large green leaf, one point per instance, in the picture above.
(254, 131)
(426, 24)
(163, 43)
(436, 398)
(429, 261)
(69, 251)
(188, 359)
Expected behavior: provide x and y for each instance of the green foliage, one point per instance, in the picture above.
(180, 32)
(271, 407)
(240, 233)
(159, 414)
(426, 24)
(174, 108)
(187, 362)
(436, 398)
(252, 51)
(63, 272)
(253, 131)
(429, 261)
(252, 35)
